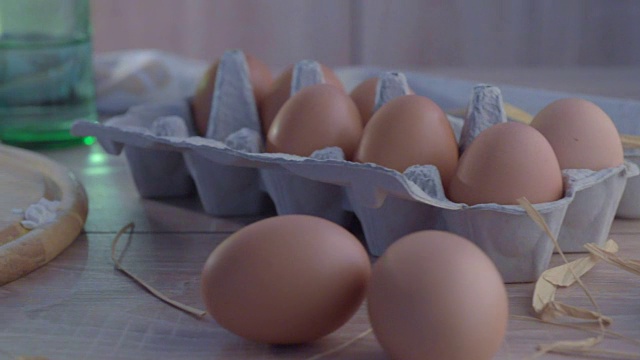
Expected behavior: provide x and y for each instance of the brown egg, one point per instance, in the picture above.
(317, 117)
(505, 162)
(410, 130)
(280, 91)
(364, 96)
(581, 134)
(436, 295)
(259, 76)
(286, 280)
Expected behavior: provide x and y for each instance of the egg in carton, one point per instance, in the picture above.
(293, 194)
(389, 204)
(225, 189)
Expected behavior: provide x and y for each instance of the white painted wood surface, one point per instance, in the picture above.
(379, 32)
(278, 32)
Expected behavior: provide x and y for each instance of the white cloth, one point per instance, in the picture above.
(133, 77)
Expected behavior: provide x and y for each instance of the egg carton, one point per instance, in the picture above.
(629, 207)
(233, 177)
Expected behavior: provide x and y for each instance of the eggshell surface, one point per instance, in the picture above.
(505, 162)
(581, 134)
(410, 130)
(364, 96)
(317, 117)
(280, 91)
(286, 279)
(436, 295)
(259, 76)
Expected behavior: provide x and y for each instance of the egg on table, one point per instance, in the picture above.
(436, 295)
(286, 280)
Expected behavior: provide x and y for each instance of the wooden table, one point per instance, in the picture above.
(80, 307)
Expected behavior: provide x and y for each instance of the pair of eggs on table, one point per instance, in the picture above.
(294, 278)
(505, 162)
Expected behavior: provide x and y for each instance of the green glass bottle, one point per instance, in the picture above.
(46, 74)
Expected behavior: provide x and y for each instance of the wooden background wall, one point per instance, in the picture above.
(380, 32)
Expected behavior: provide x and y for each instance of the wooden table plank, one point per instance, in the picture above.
(79, 306)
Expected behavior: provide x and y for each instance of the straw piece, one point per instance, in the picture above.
(22, 357)
(571, 345)
(558, 309)
(186, 308)
(517, 114)
(587, 350)
(582, 327)
(513, 113)
(539, 220)
(341, 347)
(632, 266)
(562, 276)
(630, 141)
(547, 308)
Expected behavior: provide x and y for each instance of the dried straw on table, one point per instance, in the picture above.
(547, 307)
(543, 302)
(345, 345)
(186, 308)
(630, 141)
(632, 266)
(22, 357)
(191, 310)
(577, 326)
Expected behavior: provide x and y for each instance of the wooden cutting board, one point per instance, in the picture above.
(25, 178)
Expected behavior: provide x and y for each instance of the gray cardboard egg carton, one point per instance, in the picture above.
(452, 93)
(233, 177)
(629, 207)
